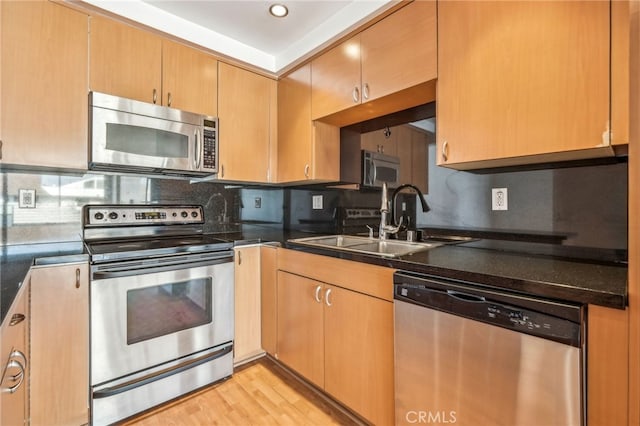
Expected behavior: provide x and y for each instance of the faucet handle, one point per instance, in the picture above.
(370, 231)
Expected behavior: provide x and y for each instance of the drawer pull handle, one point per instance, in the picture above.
(16, 319)
(77, 277)
(445, 150)
(318, 294)
(326, 297)
(356, 95)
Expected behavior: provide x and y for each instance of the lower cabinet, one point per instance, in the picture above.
(14, 362)
(336, 336)
(59, 387)
(247, 340)
(268, 298)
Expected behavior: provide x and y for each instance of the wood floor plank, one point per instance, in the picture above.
(259, 393)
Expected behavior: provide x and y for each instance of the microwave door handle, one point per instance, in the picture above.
(197, 149)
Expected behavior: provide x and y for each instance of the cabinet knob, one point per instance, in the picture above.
(155, 96)
(365, 91)
(445, 150)
(356, 95)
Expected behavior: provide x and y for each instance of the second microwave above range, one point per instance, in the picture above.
(379, 168)
(133, 136)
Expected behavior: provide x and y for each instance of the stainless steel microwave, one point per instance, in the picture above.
(132, 136)
(378, 168)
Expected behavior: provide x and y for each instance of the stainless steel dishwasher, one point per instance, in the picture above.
(470, 355)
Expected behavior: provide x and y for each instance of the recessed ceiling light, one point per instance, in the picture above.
(278, 10)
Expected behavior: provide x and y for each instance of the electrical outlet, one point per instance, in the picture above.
(317, 202)
(27, 198)
(257, 202)
(499, 200)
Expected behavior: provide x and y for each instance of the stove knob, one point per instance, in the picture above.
(98, 216)
(113, 215)
(194, 214)
(184, 214)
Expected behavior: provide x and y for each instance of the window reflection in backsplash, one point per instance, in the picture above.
(55, 212)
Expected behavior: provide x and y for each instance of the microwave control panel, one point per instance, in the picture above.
(210, 145)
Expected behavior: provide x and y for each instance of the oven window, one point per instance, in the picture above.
(168, 308)
(139, 140)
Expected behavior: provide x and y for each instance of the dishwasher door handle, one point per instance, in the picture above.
(466, 297)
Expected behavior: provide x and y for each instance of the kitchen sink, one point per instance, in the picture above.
(365, 245)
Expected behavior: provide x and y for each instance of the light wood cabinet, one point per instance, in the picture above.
(388, 58)
(14, 403)
(300, 326)
(60, 369)
(247, 339)
(44, 85)
(607, 366)
(268, 298)
(136, 64)
(523, 82)
(307, 150)
(335, 328)
(248, 119)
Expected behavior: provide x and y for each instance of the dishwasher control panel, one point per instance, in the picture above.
(491, 307)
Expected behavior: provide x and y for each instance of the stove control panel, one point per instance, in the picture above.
(122, 215)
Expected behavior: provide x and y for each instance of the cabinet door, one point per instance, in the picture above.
(247, 112)
(294, 125)
(300, 326)
(268, 298)
(247, 340)
(521, 78)
(44, 85)
(400, 51)
(335, 79)
(125, 61)
(14, 336)
(189, 79)
(60, 345)
(306, 149)
(359, 353)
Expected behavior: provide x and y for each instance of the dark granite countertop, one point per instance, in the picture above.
(536, 273)
(573, 280)
(16, 260)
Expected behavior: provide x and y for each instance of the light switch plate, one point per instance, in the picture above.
(317, 202)
(27, 198)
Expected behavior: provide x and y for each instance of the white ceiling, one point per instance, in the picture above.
(244, 30)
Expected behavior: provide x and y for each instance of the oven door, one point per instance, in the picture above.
(147, 317)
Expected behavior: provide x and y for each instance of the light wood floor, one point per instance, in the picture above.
(259, 393)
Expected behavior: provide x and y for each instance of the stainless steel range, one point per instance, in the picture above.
(162, 306)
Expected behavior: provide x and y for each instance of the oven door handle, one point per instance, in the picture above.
(115, 390)
(127, 270)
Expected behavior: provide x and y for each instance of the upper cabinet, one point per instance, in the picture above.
(388, 62)
(136, 64)
(523, 82)
(44, 85)
(307, 150)
(248, 119)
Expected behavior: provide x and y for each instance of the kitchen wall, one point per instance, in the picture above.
(587, 204)
(55, 214)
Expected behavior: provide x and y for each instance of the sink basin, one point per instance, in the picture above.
(365, 245)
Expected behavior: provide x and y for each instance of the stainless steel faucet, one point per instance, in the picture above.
(386, 229)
